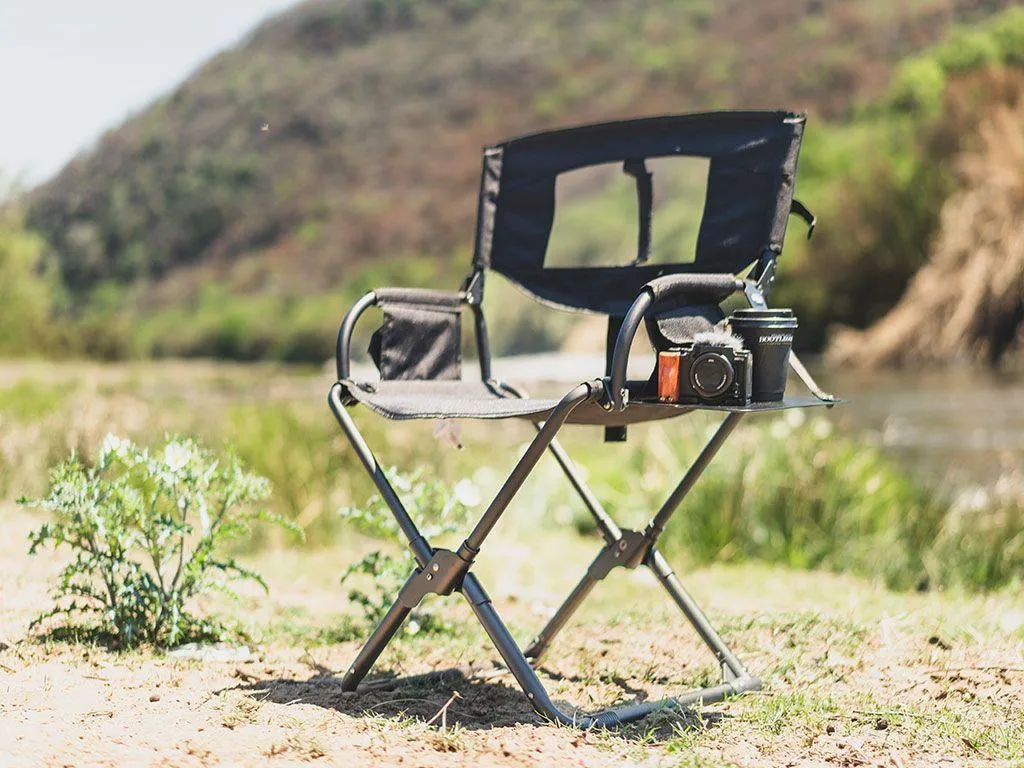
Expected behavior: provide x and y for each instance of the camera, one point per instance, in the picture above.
(713, 369)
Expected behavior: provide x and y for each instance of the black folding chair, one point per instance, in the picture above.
(753, 159)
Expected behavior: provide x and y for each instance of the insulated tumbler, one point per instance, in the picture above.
(768, 334)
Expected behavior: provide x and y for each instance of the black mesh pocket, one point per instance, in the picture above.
(418, 341)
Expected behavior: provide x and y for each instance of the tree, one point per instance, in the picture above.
(26, 292)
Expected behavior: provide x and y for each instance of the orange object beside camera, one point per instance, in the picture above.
(668, 377)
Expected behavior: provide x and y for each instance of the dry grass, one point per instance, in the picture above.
(968, 300)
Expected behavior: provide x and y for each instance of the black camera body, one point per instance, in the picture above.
(714, 374)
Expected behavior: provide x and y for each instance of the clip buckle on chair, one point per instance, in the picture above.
(753, 157)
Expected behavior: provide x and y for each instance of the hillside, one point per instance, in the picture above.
(967, 301)
(338, 145)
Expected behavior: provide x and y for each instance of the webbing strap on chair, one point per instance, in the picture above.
(645, 203)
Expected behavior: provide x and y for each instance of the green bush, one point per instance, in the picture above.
(147, 532)
(918, 86)
(967, 49)
(26, 291)
(1007, 29)
(793, 492)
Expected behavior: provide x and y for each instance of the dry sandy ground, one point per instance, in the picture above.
(855, 676)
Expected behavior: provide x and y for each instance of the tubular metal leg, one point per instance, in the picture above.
(657, 563)
(562, 615)
(609, 530)
(422, 550)
(654, 529)
(538, 695)
(375, 645)
(657, 525)
(545, 435)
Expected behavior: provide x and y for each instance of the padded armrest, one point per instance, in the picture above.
(421, 296)
(712, 285)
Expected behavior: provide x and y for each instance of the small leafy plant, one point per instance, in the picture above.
(146, 531)
(438, 509)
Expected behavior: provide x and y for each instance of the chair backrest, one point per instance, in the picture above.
(753, 159)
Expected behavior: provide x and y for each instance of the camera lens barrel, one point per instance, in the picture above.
(711, 375)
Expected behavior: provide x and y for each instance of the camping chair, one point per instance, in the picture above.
(753, 159)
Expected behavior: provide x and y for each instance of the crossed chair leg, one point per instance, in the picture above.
(441, 571)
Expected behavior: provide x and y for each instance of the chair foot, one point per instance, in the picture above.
(528, 680)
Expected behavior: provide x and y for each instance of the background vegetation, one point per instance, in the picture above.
(789, 490)
(302, 167)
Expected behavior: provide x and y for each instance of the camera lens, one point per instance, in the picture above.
(711, 375)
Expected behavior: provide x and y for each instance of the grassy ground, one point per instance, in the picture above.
(854, 675)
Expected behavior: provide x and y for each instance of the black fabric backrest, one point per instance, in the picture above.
(753, 157)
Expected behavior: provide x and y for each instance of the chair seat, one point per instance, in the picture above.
(408, 399)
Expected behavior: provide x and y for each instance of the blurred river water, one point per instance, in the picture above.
(956, 426)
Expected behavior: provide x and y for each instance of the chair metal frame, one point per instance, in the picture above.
(442, 571)
(749, 196)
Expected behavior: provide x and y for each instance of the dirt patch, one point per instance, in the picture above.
(854, 676)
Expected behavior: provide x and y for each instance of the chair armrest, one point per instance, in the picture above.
(669, 286)
(420, 296)
(661, 288)
(348, 324)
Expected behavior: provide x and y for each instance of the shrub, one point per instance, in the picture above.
(791, 491)
(442, 511)
(918, 86)
(967, 49)
(1007, 30)
(26, 292)
(146, 531)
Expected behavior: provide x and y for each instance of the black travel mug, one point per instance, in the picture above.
(768, 334)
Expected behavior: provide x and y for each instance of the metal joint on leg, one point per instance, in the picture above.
(629, 551)
(630, 548)
(441, 576)
(440, 571)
